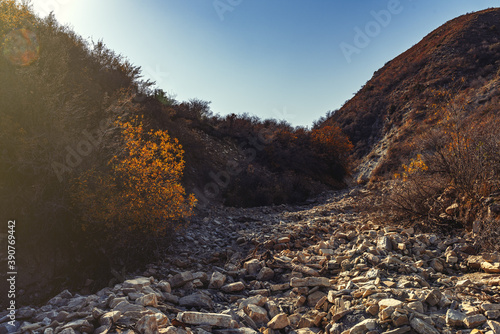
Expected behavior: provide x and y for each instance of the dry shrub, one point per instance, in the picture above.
(458, 164)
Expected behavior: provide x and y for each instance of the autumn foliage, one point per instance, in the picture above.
(457, 163)
(141, 192)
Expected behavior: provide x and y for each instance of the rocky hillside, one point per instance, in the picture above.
(460, 57)
(319, 268)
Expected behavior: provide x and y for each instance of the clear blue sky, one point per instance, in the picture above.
(283, 59)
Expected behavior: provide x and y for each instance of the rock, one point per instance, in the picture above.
(388, 302)
(416, 306)
(147, 324)
(433, 297)
(490, 307)
(217, 280)
(364, 326)
(130, 310)
(196, 300)
(253, 266)
(437, 265)
(454, 318)
(372, 309)
(148, 300)
(386, 313)
(491, 268)
(257, 314)
(109, 318)
(399, 319)
(384, 243)
(82, 325)
(400, 330)
(495, 326)
(315, 297)
(280, 321)
(256, 300)
(473, 321)
(494, 314)
(265, 274)
(452, 209)
(310, 282)
(464, 283)
(180, 279)
(211, 319)
(137, 283)
(164, 286)
(233, 287)
(422, 327)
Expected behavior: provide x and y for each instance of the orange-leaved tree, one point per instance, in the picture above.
(331, 141)
(140, 193)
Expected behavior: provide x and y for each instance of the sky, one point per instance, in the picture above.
(290, 60)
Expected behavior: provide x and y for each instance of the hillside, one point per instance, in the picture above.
(99, 167)
(400, 101)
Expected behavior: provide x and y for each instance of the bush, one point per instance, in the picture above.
(140, 195)
(458, 164)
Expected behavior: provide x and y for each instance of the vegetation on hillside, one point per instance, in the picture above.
(99, 167)
(399, 98)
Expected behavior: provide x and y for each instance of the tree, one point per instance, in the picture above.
(140, 193)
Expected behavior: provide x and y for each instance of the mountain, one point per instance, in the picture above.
(461, 58)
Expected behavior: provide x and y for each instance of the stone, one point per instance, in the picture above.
(416, 306)
(130, 310)
(494, 314)
(422, 327)
(454, 318)
(137, 283)
(399, 319)
(400, 330)
(464, 283)
(473, 321)
(372, 309)
(147, 324)
(196, 300)
(257, 314)
(82, 325)
(310, 282)
(108, 318)
(490, 307)
(253, 267)
(180, 279)
(164, 286)
(233, 287)
(384, 243)
(315, 297)
(437, 265)
(383, 303)
(148, 300)
(452, 209)
(258, 300)
(491, 268)
(211, 319)
(386, 313)
(364, 326)
(433, 297)
(280, 321)
(217, 280)
(495, 326)
(265, 274)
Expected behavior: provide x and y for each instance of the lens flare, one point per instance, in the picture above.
(21, 47)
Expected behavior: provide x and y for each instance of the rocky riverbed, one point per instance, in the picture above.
(324, 267)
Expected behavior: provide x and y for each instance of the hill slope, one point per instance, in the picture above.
(460, 57)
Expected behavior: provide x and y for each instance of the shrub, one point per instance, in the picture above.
(140, 193)
(458, 164)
